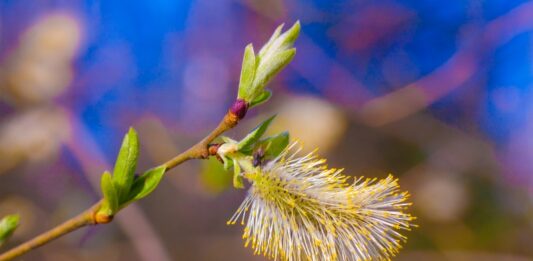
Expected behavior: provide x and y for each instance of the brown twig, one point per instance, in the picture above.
(201, 150)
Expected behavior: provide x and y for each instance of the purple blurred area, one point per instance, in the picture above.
(436, 93)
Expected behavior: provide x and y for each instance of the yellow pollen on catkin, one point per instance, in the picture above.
(298, 209)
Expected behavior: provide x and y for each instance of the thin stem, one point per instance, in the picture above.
(92, 217)
(201, 149)
(81, 220)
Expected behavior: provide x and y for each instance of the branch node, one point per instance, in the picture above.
(102, 218)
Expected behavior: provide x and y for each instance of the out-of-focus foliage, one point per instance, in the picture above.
(214, 177)
(8, 224)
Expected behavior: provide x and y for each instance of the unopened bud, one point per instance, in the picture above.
(102, 218)
(239, 108)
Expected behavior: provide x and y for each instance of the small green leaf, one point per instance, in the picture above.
(237, 178)
(8, 224)
(146, 183)
(273, 38)
(288, 38)
(270, 67)
(249, 66)
(125, 165)
(273, 146)
(263, 97)
(279, 43)
(109, 192)
(255, 135)
(228, 163)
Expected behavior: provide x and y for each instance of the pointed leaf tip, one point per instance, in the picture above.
(255, 135)
(145, 184)
(274, 145)
(293, 33)
(249, 66)
(275, 35)
(126, 164)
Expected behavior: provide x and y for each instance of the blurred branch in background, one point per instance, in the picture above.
(453, 74)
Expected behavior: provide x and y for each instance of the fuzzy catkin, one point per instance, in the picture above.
(299, 209)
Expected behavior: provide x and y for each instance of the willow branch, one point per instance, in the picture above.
(200, 150)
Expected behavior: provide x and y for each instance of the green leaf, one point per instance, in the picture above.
(270, 67)
(8, 224)
(146, 183)
(213, 176)
(249, 66)
(255, 135)
(263, 97)
(274, 145)
(273, 38)
(107, 186)
(228, 163)
(237, 178)
(124, 172)
(258, 70)
(288, 38)
(279, 43)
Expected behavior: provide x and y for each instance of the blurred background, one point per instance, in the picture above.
(437, 93)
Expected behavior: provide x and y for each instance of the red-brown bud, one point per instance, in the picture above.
(213, 148)
(239, 108)
(102, 218)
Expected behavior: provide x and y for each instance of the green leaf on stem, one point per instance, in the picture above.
(249, 66)
(274, 145)
(262, 98)
(237, 178)
(271, 40)
(125, 165)
(228, 163)
(272, 66)
(8, 224)
(146, 183)
(111, 200)
(258, 69)
(255, 135)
